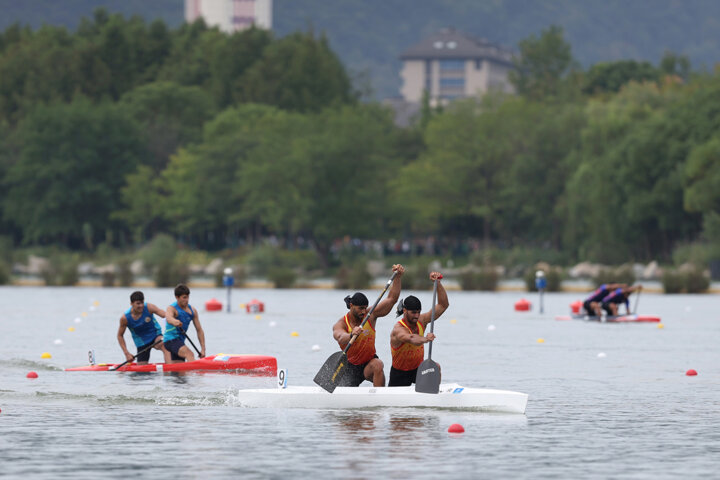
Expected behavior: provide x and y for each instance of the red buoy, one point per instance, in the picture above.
(691, 373)
(254, 306)
(522, 305)
(576, 306)
(32, 375)
(213, 305)
(456, 428)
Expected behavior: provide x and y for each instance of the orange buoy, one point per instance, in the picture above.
(576, 306)
(213, 305)
(456, 428)
(522, 305)
(32, 375)
(254, 306)
(691, 373)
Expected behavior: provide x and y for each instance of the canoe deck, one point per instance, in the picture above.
(256, 365)
(451, 396)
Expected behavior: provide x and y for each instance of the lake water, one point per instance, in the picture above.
(632, 413)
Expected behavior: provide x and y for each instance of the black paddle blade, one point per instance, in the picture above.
(428, 377)
(332, 371)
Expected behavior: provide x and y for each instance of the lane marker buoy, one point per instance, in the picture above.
(71, 329)
(46, 355)
(57, 341)
(691, 373)
(294, 334)
(602, 355)
(660, 325)
(540, 340)
(32, 375)
(315, 348)
(456, 428)
(491, 328)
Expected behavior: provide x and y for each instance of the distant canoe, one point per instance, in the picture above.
(258, 365)
(632, 318)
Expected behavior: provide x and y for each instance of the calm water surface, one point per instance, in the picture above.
(632, 413)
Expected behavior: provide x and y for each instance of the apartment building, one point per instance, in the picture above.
(230, 15)
(450, 64)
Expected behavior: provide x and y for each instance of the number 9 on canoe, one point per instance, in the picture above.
(282, 378)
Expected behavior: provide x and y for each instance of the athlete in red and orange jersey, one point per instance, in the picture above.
(363, 362)
(408, 338)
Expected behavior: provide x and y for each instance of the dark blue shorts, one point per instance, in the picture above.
(144, 356)
(173, 346)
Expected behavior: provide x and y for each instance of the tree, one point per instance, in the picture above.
(71, 162)
(611, 76)
(543, 63)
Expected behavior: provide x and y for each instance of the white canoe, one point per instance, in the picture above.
(451, 396)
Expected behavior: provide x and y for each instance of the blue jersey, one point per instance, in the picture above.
(145, 329)
(618, 297)
(172, 332)
(598, 294)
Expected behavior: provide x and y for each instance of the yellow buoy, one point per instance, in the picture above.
(84, 314)
(453, 321)
(242, 306)
(660, 325)
(71, 329)
(258, 317)
(46, 355)
(294, 334)
(541, 340)
(96, 303)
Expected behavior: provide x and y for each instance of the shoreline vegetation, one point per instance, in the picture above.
(162, 264)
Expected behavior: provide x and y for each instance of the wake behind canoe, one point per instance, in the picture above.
(451, 396)
(258, 365)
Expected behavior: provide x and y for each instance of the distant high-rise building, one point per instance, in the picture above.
(231, 15)
(450, 64)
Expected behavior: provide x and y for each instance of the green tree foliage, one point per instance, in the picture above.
(71, 162)
(542, 65)
(611, 76)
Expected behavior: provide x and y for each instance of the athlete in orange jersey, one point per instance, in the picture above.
(408, 338)
(363, 362)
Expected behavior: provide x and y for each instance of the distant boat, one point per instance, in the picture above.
(257, 365)
(628, 318)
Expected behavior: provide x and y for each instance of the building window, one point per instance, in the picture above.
(452, 83)
(452, 65)
(428, 75)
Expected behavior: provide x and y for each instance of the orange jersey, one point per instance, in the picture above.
(408, 356)
(363, 348)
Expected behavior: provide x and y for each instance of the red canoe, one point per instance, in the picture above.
(259, 365)
(616, 319)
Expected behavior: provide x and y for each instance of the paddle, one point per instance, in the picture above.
(134, 356)
(637, 300)
(427, 379)
(179, 327)
(335, 366)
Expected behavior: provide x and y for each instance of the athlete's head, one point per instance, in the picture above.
(410, 306)
(181, 290)
(137, 297)
(358, 299)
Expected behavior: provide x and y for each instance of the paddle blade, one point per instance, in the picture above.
(332, 371)
(428, 377)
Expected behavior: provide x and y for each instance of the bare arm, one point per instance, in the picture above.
(121, 337)
(155, 310)
(200, 331)
(400, 335)
(340, 333)
(386, 305)
(442, 301)
(171, 316)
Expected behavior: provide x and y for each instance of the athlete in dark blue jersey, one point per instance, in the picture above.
(179, 315)
(613, 300)
(143, 326)
(593, 304)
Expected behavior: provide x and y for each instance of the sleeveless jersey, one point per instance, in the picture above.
(145, 329)
(363, 348)
(598, 294)
(171, 332)
(618, 297)
(408, 356)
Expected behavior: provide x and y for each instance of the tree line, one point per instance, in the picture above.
(122, 130)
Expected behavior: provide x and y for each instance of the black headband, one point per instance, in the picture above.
(359, 300)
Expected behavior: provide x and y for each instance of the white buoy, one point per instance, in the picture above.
(57, 341)
(602, 355)
(316, 348)
(491, 328)
(272, 324)
(78, 320)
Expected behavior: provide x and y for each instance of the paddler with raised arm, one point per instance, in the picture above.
(612, 301)
(593, 304)
(408, 337)
(145, 329)
(179, 315)
(363, 362)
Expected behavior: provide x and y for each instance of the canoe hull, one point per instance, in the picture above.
(451, 396)
(617, 319)
(257, 365)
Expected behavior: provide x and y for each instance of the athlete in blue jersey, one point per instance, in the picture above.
(145, 329)
(180, 314)
(613, 300)
(593, 304)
